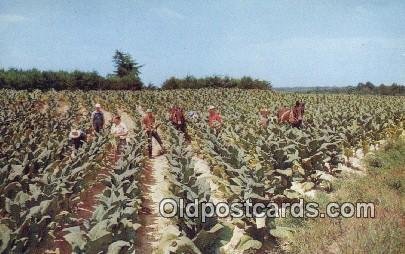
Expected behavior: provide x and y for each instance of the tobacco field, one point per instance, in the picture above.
(54, 202)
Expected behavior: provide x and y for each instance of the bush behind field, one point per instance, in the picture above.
(191, 82)
(62, 80)
(361, 88)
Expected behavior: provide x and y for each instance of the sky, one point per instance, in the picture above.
(287, 42)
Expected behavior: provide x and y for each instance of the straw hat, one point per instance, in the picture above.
(74, 133)
(98, 105)
(149, 110)
(211, 107)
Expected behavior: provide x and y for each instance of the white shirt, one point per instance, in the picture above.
(120, 130)
(193, 115)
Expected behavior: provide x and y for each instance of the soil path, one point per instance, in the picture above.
(42, 106)
(155, 188)
(84, 207)
(88, 199)
(107, 116)
(63, 107)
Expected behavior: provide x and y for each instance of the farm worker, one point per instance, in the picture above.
(193, 115)
(264, 117)
(148, 123)
(77, 138)
(178, 120)
(97, 118)
(120, 132)
(214, 119)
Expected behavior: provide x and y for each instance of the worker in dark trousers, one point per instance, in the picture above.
(77, 138)
(97, 118)
(149, 125)
(179, 121)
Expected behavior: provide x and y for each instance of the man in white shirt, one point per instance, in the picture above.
(193, 115)
(120, 132)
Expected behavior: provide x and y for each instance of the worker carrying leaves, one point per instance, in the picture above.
(120, 131)
(149, 125)
(214, 119)
(97, 118)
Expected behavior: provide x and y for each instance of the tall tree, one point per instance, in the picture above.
(125, 65)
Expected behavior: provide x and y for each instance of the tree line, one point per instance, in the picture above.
(191, 82)
(63, 80)
(382, 89)
(361, 88)
(125, 77)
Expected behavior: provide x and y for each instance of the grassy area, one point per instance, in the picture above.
(384, 186)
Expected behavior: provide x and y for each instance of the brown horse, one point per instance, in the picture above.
(292, 116)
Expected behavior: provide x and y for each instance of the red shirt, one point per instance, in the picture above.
(216, 117)
(148, 122)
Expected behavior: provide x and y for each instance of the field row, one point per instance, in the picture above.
(43, 186)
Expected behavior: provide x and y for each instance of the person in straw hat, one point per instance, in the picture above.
(264, 117)
(149, 125)
(77, 138)
(97, 118)
(120, 132)
(214, 119)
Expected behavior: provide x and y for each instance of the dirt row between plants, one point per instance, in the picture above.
(155, 187)
(63, 107)
(85, 205)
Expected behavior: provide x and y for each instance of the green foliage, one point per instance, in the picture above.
(39, 178)
(40, 182)
(191, 82)
(361, 88)
(62, 80)
(370, 88)
(126, 66)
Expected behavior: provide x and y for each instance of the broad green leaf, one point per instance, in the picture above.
(118, 246)
(5, 233)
